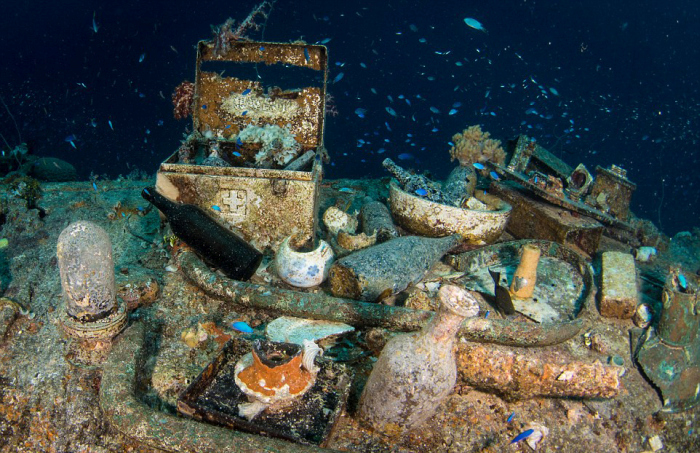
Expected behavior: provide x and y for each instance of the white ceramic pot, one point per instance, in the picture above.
(303, 269)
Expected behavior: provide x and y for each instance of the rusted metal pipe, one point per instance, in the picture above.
(361, 314)
(515, 375)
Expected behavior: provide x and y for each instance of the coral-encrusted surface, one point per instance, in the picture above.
(50, 404)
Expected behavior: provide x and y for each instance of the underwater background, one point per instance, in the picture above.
(595, 82)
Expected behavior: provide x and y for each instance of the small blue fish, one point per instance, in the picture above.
(362, 65)
(339, 77)
(142, 57)
(478, 166)
(306, 55)
(475, 24)
(239, 142)
(94, 186)
(486, 315)
(246, 91)
(523, 435)
(435, 129)
(71, 139)
(421, 192)
(405, 156)
(681, 280)
(346, 190)
(236, 154)
(391, 111)
(494, 176)
(242, 326)
(510, 417)
(360, 112)
(261, 48)
(326, 41)
(110, 124)
(95, 27)
(216, 208)
(245, 112)
(452, 111)
(434, 110)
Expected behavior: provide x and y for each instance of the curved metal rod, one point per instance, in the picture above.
(362, 314)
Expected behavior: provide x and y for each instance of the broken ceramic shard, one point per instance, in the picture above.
(273, 375)
(539, 433)
(288, 329)
(642, 316)
(336, 220)
(354, 242)
(645, 254)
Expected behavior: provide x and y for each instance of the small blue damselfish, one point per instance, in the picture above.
(523, 435)
(421, 192)
(242, 326)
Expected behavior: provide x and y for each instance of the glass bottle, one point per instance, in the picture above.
(214, 242)
(416, 371)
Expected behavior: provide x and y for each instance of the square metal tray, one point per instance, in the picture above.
(214, 397)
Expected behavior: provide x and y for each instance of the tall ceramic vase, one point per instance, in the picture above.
(416, 371)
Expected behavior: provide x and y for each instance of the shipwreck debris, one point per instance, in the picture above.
(618, 292)
(516, 376)
(670, 354)
(416, 371)
(93, 313)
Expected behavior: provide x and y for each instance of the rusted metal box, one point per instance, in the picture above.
(532, 218)
(258, 106)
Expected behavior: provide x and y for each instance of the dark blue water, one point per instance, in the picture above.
(596, 83)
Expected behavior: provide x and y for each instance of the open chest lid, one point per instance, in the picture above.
(250, 92)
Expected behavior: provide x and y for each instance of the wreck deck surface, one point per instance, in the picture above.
(48, 403)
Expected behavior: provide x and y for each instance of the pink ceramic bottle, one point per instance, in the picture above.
(416, 371)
